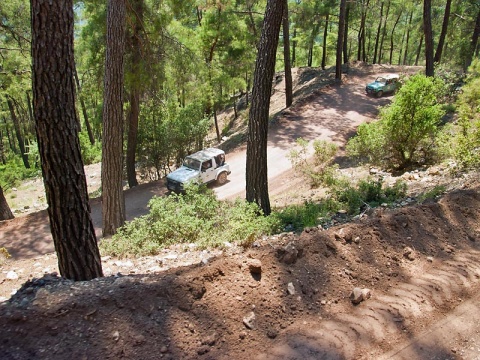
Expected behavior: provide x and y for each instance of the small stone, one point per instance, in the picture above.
(255, 266)
(429, 259)
(249, 321)
(357, 295)
(290, 289)
(409, 253)
(116, 335)
(366, 294)
(203, 350)
(12, 275)
(163, 349)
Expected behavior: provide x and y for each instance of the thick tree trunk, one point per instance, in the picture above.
(286, 59)
(443, 34)
(256, 169)
(427, 28)
(135, 92)
(113, 201)
(58, 144)
(18, 133)
(5, 212)
(341, 31)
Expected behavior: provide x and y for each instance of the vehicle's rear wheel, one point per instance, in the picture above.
(379, 94)
(222, 178)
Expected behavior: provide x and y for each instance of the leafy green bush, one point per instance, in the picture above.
(368, 192)
(432, 193)
(306, 215)
(196, 217)
(14, 171)
(466, 143)
(406, 131)
(91, 154)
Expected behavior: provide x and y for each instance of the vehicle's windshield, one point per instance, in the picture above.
(191, 163)
(381, 80)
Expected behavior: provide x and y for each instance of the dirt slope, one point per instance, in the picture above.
(272, 301)
(287, 297)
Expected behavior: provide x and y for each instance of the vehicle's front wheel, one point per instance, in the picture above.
(222, 178)
(379, 94)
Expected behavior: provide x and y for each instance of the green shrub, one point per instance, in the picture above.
(196, 217)
(432, 193)
(367, 192)
(306, 215)
(466, 144)
(406, 131)
(91, 154)
(14, 171)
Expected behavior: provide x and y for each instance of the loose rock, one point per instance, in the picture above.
(249, 321)
(255, 266)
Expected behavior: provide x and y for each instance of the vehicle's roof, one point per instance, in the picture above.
(206, 154)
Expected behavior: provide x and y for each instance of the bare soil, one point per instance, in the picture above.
(286, 297)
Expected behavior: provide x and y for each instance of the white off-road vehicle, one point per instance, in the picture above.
(203, 167)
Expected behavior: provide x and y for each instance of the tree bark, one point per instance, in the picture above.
(341, 30)
(58, 144)
(256, 169)
(419, 50)
(286, 59)
(5, 212)
(443, 34)
(113, 201)
(18, 133)
(427, 29)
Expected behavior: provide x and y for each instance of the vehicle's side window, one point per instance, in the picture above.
(206, 165)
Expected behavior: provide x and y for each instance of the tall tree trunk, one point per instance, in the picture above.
(324, 45)
(84, 109)
(5, 212)
(11, 142)
(408, 38)
(215, 120)
(113, 201)
(58, 144)
(473, 42)
(419, 50)
(18, 133)
(341, 31)
(391, 38)
(3, 158)
(443, 34)
(427, 29)
(294, 46)
(379, 30)
(345, 35)
(361, 32)
(257, 136)
(286, 59)
(135, 92)
(384, 33)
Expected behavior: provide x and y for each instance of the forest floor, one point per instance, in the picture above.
(286, 297)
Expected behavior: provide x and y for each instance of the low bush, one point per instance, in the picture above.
(195, 217)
